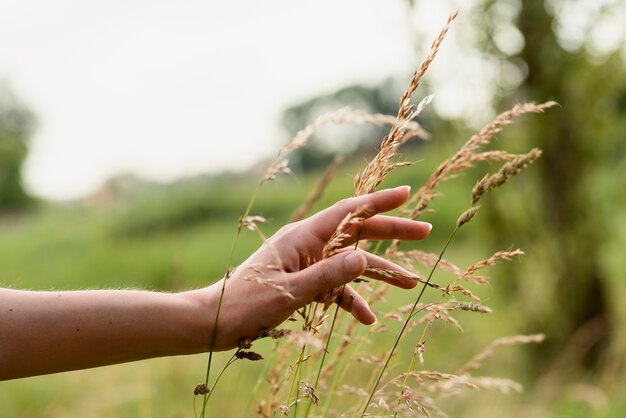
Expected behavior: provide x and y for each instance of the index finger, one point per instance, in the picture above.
(382, 201)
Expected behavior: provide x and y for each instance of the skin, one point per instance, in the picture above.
(49, 332)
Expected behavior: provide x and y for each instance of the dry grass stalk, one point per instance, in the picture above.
(309, 392)
(497, 155)
(468, 274)
(339, 351)
(446, 384)
(460, 289)
(467, 216)
(248, 355)
(275, 383)
(280, 167)
(394, 317)
(407, 124)
(375, 295)
(312, 199)
(434, 312)
(382, 164)
(412, 129)
(490, 350)
(443, 385)
(277, 379)
(504, 385)
(468, 153)
(260, 271)
(508, 170)
(344, 115)
(429, 260)
(250, 222)
(369, 358)
(275, 334)
(472, 307)
(341, 234)
(449, 306)
(374, 173)
(392, 274)
(303, 338)
(419, 404)
(355, 390)
(269, 283)
(463, 159)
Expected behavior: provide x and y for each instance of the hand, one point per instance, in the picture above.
(249, 306)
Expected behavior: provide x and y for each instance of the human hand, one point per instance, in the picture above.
(290, 260)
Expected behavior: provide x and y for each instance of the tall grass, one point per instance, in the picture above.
(311, 371)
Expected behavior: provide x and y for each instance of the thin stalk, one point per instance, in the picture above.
(330, 333)
(295, 377)
(406, 322)
(230, 361)
(411, 363)
(298, 380)
(338, 377)
(332, 326)
(219, 303)
(257, 384)
(312, 309)
(420, 341)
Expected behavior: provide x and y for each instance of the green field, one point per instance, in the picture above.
(178, 236)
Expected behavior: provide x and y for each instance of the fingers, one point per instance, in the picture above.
(341, 269)
(389, 227)
(326, 274)
(354, 303)
(327, 220)
(377, 262)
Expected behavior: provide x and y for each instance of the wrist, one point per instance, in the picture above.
(199, 319)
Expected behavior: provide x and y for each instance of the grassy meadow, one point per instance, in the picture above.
(177, 236)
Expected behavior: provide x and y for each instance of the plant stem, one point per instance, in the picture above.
(295, 377)
(330, 333)
(219, 303)
(338, 377)
(406, 322)
(230, 361)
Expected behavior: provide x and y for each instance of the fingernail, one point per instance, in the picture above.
(353, 263)
(407, 187)
(429, 225)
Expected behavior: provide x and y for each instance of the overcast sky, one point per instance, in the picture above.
(167, 89)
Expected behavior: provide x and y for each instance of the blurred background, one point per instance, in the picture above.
(132, 135)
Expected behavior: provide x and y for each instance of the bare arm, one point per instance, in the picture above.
(49, 332)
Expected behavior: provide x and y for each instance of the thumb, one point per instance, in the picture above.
(328, 273)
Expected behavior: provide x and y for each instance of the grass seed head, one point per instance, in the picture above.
(467, 216)
(508, 170)
(248, 355)
(201, 389)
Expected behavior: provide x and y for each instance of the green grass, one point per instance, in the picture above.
(178, 237)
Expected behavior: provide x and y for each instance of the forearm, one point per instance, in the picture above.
(48, 332)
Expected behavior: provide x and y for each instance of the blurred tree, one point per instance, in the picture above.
(579, 140)
(566, 50)
(16, 126)
(341, 139)
(570, 51)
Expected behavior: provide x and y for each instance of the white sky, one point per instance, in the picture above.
(167, 89)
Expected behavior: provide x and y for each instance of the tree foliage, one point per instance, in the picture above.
(16, 126)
